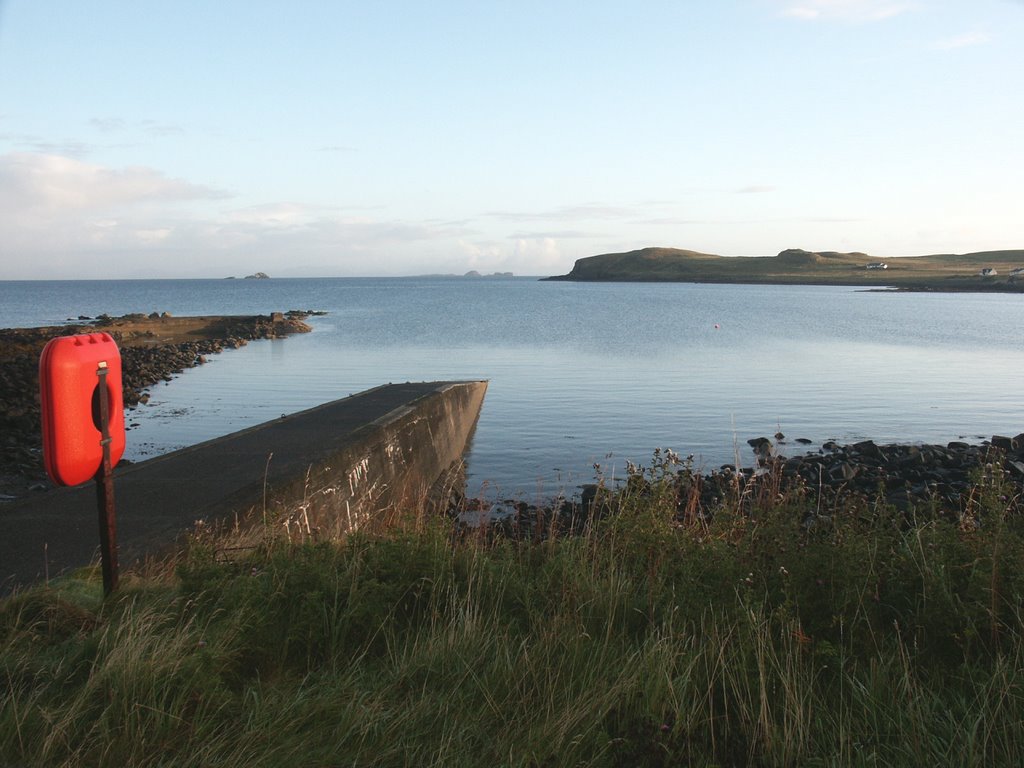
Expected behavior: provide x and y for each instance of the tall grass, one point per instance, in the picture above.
(755, 635)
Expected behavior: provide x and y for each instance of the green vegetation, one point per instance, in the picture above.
(771, 633)
(945, 272)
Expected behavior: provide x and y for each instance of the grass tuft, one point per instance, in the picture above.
(761, 632)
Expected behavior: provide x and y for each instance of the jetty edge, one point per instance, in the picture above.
(154, 348)
(326, 470)
(985, 271)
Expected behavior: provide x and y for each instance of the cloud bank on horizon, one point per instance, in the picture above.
(344, 139)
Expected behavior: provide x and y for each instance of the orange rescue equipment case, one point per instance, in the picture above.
(69, 392)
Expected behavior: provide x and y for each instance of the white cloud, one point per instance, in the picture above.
(61, 217)
(153, 235)
(587, 212)
(565, 234)
(962, 41)
(846, 10)
(156, 128)
(108, 124)
(274, 215)
(56, 184)
(39, 145)
(120, 125)
(480, 253)
(537, 255)
(669, 221)
(755, 189)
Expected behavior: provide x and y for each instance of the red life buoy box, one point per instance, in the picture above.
(69, 397)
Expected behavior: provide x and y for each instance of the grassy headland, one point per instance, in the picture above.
(942, 272)
(664, 633)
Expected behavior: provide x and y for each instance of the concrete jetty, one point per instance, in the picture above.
(338, 463)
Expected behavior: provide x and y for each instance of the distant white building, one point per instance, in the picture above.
(878, 265)
(988, 272)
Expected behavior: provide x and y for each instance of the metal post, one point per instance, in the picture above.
(105, 492)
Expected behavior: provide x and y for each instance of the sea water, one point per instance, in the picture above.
(585, 374)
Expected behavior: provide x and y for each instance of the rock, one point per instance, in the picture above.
(901, 499)
(1008, 444)
(804, 441)
(843, 472)
(763, 449)
(867, 448)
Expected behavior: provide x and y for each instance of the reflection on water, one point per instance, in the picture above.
(584, 374)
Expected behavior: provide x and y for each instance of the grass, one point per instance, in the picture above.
(662, 635)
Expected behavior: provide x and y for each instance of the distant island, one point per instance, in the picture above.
(983, 271)
(472, 274)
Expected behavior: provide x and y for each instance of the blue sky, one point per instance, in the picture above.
(205, 139)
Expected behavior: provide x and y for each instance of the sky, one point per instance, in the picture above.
(332, 138)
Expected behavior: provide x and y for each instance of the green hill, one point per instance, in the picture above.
(951, 272)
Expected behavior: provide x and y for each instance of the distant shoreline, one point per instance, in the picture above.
(984, 272)
(1017, 287)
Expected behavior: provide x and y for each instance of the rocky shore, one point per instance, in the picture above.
(899, 475)
(938, 480)
(153, 347)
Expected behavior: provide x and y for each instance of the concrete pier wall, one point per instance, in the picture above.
(327, 468)
(389, 463)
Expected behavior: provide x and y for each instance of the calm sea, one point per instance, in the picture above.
(587, 373)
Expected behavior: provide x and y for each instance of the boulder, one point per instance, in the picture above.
(867, 448)
(1008, 444)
